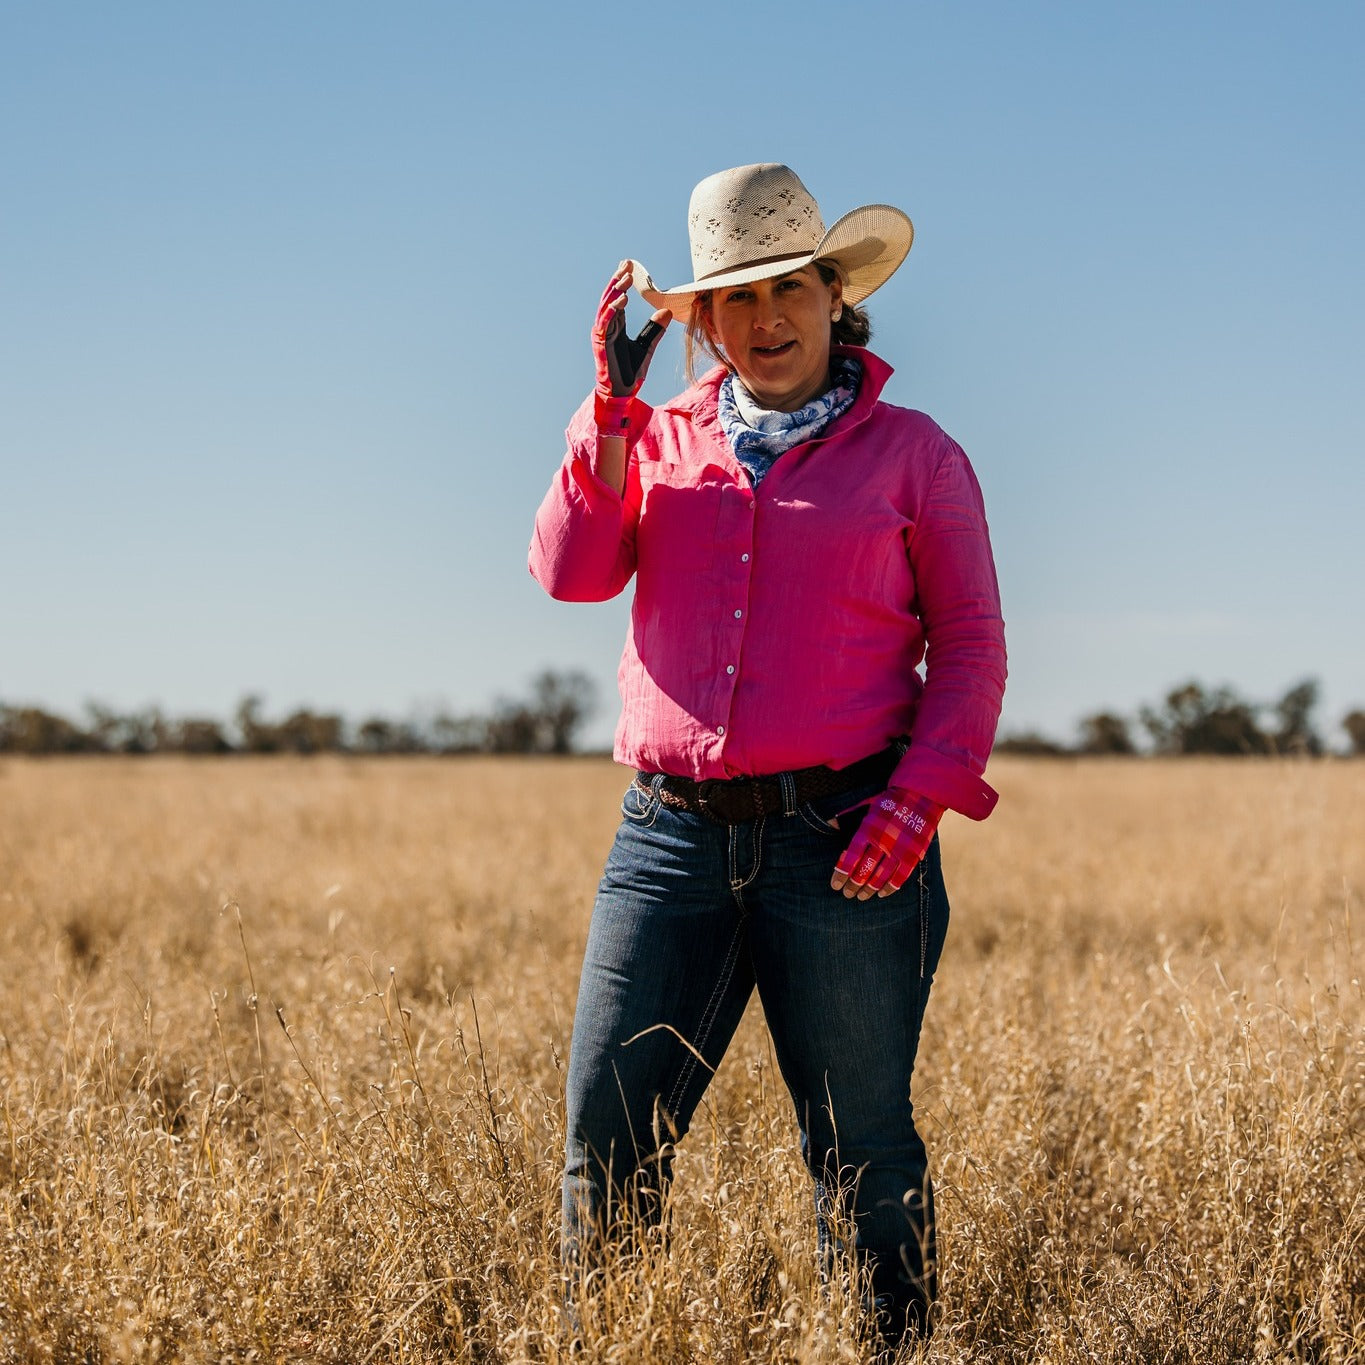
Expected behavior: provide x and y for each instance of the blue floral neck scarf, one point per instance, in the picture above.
(758, 436)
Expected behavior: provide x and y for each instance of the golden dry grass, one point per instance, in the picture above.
(282, 1046)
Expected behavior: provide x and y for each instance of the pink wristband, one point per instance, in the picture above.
(613, 416)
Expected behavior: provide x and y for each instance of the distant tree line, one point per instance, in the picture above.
(548, 720)
(1194, 719)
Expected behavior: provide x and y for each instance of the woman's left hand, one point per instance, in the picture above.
(623, 360)
(892, 839)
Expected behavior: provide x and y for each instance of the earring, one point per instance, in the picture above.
(834, 317)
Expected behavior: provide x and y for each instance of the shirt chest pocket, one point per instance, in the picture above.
(680, 527)
(858, 541)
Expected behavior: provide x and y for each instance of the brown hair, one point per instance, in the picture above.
(853, 327)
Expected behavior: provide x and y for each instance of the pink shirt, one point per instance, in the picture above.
(782, 627)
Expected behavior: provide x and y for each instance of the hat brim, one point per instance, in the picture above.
(867, 245)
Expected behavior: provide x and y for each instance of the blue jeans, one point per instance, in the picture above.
(690, 917)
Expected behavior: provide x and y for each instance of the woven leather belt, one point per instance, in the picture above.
(740, 799)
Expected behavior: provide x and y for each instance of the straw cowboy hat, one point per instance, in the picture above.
(754, 222)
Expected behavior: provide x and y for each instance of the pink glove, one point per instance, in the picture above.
(621, 362)
(893, 837)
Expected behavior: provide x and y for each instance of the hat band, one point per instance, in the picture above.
(750, 265)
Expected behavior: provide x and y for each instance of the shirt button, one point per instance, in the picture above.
(751, 507)
(720, 729)
(744, 559)
(738, 614)
(729, 668)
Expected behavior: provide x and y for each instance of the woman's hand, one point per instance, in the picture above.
(622, 361)
(893, 837)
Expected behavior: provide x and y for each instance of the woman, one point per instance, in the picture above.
(799, 547)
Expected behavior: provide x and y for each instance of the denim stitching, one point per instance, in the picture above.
(923, 918)
(756, 837)
(810, 818)
(708, 1018)
(737, 884)
(647, 820)
(788, 793)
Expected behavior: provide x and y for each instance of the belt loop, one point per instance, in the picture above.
(788, 793)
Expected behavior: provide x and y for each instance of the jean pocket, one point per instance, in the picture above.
(838, 817)
(640, 805)
(819, 823)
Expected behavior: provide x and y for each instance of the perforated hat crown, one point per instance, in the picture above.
(755, 222)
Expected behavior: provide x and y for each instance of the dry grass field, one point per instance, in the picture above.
(282, 1046)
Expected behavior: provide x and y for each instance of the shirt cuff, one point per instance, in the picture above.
(945, 780)
(592, 418)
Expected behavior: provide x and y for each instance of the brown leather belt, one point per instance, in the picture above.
(740, 799)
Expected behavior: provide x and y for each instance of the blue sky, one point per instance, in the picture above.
(295, 299)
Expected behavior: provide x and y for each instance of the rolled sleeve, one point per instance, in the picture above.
(959, 605)
(583, 546)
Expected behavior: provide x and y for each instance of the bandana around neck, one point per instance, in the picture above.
(758, 436)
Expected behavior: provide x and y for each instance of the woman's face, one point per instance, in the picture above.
(776, 335)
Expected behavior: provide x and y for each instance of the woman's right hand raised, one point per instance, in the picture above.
(622, 361)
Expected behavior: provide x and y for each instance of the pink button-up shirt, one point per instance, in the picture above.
(780, 627)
